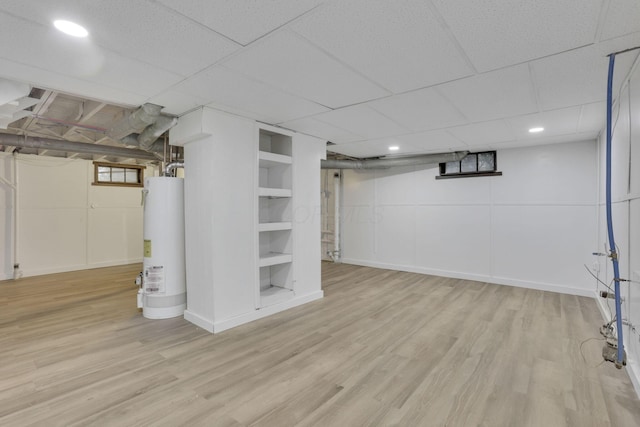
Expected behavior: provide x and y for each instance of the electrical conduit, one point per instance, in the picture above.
(612, 243)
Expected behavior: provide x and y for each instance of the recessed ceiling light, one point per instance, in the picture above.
(71, 28)
(394, 148)
(536, 130)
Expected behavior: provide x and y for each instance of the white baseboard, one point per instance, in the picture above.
(198, 320)
(265, 311)
(78, 267)
(476, 277)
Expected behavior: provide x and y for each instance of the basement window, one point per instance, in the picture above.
(474, 164)
(117, 174)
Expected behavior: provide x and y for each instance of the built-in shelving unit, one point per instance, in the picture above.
(251, 221)
(275, 226)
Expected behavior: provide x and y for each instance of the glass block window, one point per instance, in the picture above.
(118, 174)
(474, 164)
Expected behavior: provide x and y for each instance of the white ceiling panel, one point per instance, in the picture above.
(546, 140)
(50, 80)
(374, 148)
(592, 117)
(242, 20)
(577, 77)
(499, 33)
(177, 103)
(494, 95)
(557, 122)
(423, 109)
(395, 43)
(141, 30)
(45, 48)
(483, 133)
(224, 87)
(319, 129)
(433, 141)
(623, 17)
(133, 76)
(363, 121)
(288, 62)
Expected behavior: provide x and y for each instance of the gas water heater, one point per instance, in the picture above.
(162, 292)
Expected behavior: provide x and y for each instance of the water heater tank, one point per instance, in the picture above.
(163, 274)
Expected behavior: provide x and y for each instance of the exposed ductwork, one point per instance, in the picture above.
(153, 132)
(142, 128)
(75, 147)
(385, 163)
(135, 122)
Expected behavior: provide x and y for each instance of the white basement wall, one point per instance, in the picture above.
(65, 223)
(626, 216)
(534, 227)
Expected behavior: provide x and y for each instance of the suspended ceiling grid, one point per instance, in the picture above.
(427, 76)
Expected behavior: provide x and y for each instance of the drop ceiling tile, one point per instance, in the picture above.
(433, 141)
(483, 133)
(51, 80)
(363, 121)
(313, 127)
(547, 140)
(499, 33)
(139, 77)
(177, 103)
(577, 77)
(373, 148)
(399, 44)
(623, 17)
(493, 95)
(592, 117)
(557, 122)
(141, 30)
(423, 109)
(47, 49)
(226, 88)
(242, 20)
(286, 61)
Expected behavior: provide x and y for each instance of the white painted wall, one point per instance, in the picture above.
(626, 215)
(535, 226)
(65, 223)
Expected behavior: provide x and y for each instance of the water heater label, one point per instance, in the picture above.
(154, 279)
(147, 248)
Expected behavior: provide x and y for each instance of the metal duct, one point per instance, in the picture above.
(384, 163)
(153, 132)
(171, 167)
(75, 147)
(135, 122)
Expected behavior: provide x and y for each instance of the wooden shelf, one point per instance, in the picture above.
(268, 160)
(274, 295)
(274, 226)
(274, 192)
(274, 258)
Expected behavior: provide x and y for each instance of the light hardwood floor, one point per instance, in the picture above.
(382, 348)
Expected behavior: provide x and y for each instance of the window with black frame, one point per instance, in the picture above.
(474, 164)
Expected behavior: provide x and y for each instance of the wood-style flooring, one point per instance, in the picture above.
(382, 348)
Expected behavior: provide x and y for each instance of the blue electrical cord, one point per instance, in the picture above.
(612, 243)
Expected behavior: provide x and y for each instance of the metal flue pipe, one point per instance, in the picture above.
(171, 167)
(384, 163)
(75, 147)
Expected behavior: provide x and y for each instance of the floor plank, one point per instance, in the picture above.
(382, 348)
